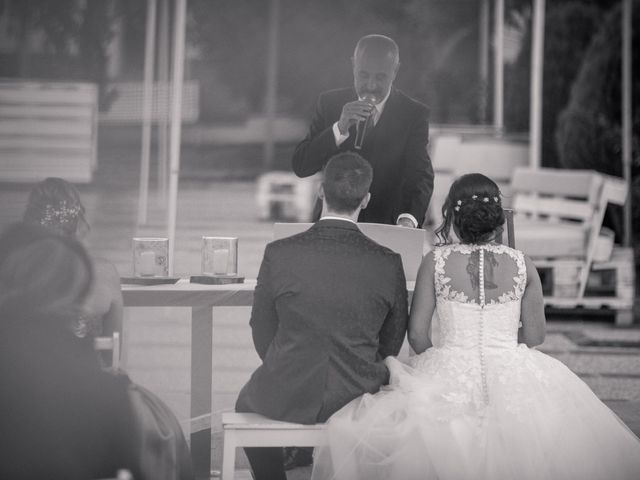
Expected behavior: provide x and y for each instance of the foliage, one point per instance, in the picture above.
(593, 115)
(569, 27)
(589, 133)
(437, 39)
(76, 35)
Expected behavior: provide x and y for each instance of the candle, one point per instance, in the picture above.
(147, 263)
(220, 261)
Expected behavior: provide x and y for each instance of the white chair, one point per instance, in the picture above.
(112, 343)
(254, 430)
(123, 474)
(282, 195)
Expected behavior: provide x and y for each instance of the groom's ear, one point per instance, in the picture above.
(321, 193)
(365, 201)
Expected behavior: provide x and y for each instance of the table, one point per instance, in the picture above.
(201, 299)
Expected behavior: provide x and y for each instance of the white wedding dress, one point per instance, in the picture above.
(478, 405)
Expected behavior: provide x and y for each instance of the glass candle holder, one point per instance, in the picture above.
(220, 256)
(151, 257)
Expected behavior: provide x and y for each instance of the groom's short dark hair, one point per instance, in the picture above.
(347, 178)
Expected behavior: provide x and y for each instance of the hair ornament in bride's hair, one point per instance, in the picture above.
(474, 197)
(62, 214)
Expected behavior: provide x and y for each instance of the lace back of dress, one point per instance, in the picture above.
(480, 274)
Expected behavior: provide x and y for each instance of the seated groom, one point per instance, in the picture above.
(330, 304)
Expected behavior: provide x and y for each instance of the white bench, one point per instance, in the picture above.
(47, 129)
(558, 214)
(558, 223)
(127, 105)
(254, 430)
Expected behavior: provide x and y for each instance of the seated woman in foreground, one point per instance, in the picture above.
(61, 415)
(481, 403)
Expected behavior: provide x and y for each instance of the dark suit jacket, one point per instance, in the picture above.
(329, 306)
(396, 148)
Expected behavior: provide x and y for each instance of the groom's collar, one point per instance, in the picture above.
(336, 222)
(332, 217)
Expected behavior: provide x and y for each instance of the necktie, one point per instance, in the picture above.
(374, 118)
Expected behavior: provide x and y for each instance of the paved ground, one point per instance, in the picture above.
(157, 341)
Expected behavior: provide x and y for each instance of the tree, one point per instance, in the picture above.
(77, 34)
(589, 133)
(568, 31)
(437, 42)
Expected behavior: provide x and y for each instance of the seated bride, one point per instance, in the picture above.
(481, 404)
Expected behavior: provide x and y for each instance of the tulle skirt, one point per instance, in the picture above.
(450, 414)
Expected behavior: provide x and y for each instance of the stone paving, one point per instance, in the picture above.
(157, 341)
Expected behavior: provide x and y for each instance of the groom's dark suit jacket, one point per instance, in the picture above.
(329, 306)
(396, 148)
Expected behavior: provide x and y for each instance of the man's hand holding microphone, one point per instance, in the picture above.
(357, 113)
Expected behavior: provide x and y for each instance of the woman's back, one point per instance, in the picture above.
(478, 290)
(103, 309)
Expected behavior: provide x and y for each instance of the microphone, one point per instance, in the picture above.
(361, 126)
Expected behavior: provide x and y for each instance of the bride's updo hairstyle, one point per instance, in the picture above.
(474, 208)
(55, 203)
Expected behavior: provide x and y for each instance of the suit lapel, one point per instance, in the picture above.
(389, 112)
(382, 130)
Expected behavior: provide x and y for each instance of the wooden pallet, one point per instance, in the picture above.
(610, 284)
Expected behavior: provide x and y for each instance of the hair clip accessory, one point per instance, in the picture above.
(474, 197)
(485, 199)
(495, 199)
(63, 214)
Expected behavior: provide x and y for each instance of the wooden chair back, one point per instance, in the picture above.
(112, 343)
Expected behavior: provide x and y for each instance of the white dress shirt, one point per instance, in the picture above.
(331, 217)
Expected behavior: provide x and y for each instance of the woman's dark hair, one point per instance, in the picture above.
(474, 208)
(42, 271)
(55, 203)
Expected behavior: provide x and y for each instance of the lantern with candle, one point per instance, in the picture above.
(220, 256)
(150, 257)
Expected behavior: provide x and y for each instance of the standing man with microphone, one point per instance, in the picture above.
(388, 128)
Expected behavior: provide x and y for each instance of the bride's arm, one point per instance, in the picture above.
(532, 311)
(422, 306)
